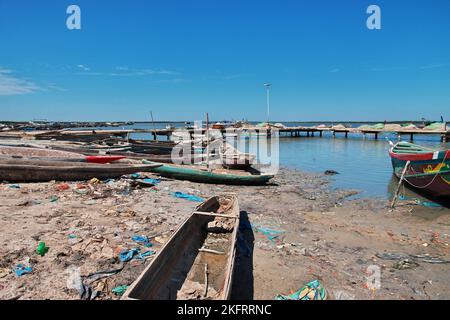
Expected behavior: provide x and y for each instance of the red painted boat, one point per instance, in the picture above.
(428, 170)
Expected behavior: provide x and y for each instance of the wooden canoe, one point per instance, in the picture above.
(19, 170)
(428, 171)
(197, 261)
(216, 176)
(53, 155)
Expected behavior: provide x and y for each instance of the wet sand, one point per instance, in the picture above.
(324, 234)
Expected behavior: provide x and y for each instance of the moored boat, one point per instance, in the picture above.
(197, 261)
(428, 169)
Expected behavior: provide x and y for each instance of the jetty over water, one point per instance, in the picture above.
(294, 131)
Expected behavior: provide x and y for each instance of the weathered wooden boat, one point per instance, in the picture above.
(53, 155)
(217, 176)
(19, 170)
(197, 261)
(428, 170)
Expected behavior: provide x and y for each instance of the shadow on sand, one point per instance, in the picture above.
(242, 288)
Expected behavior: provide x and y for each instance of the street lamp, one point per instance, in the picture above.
(268, 85)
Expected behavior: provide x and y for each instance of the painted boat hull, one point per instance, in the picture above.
(180, 262)
(204, 176)
(428, 172)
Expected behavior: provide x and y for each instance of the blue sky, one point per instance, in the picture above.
(182, 59)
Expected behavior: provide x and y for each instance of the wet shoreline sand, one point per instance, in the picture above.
(325, 234)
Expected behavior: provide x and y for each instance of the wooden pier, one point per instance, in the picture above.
(282, 132)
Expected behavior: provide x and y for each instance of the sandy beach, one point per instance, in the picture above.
(322, 233)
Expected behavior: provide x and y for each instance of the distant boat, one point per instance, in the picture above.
(197, 260)
(428, 171)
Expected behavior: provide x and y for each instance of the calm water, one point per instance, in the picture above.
(363, 163)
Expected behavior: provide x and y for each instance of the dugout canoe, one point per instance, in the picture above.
(19, 170)
(26, 153)
(215, 176)
(197, 260)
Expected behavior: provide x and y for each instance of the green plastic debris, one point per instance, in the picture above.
(120, 290)
(313, 290)
(42, 249)
(54, 198)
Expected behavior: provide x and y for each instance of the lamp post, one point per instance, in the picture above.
(268, 85)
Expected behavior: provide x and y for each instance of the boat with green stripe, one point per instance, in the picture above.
(215, 176)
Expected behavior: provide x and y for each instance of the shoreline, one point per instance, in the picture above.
(325, 235)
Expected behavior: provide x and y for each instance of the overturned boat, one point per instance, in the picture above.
(197, 261)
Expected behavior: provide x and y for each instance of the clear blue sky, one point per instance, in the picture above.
(184, 58)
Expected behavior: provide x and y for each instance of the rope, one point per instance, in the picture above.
(434, 178)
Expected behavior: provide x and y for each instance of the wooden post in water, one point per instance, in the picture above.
(399, 184)
(207, 140)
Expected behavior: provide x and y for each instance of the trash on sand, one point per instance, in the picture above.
(402, 256)
(22, 269)
(62, 187)
(127, 255)
(148, 182)
(120, 290)
(14, 186)
(405, 264)
(4, 272)
(421, 202)
(42, 249)
(271, 234)
(152, 181)
(54, 198)
(94, 181)
(313, 290)
(142, 240)
(186, 196)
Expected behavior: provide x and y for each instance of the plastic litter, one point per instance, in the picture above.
(142, 240)
(22, 269)
(42, 249)
(186, 196)
(120, 290)
(127, 255)
(313, 290)
(14, 186)
(62, 187)
(419, 202)
(271, 234)
(54, 198)
(94, 181)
